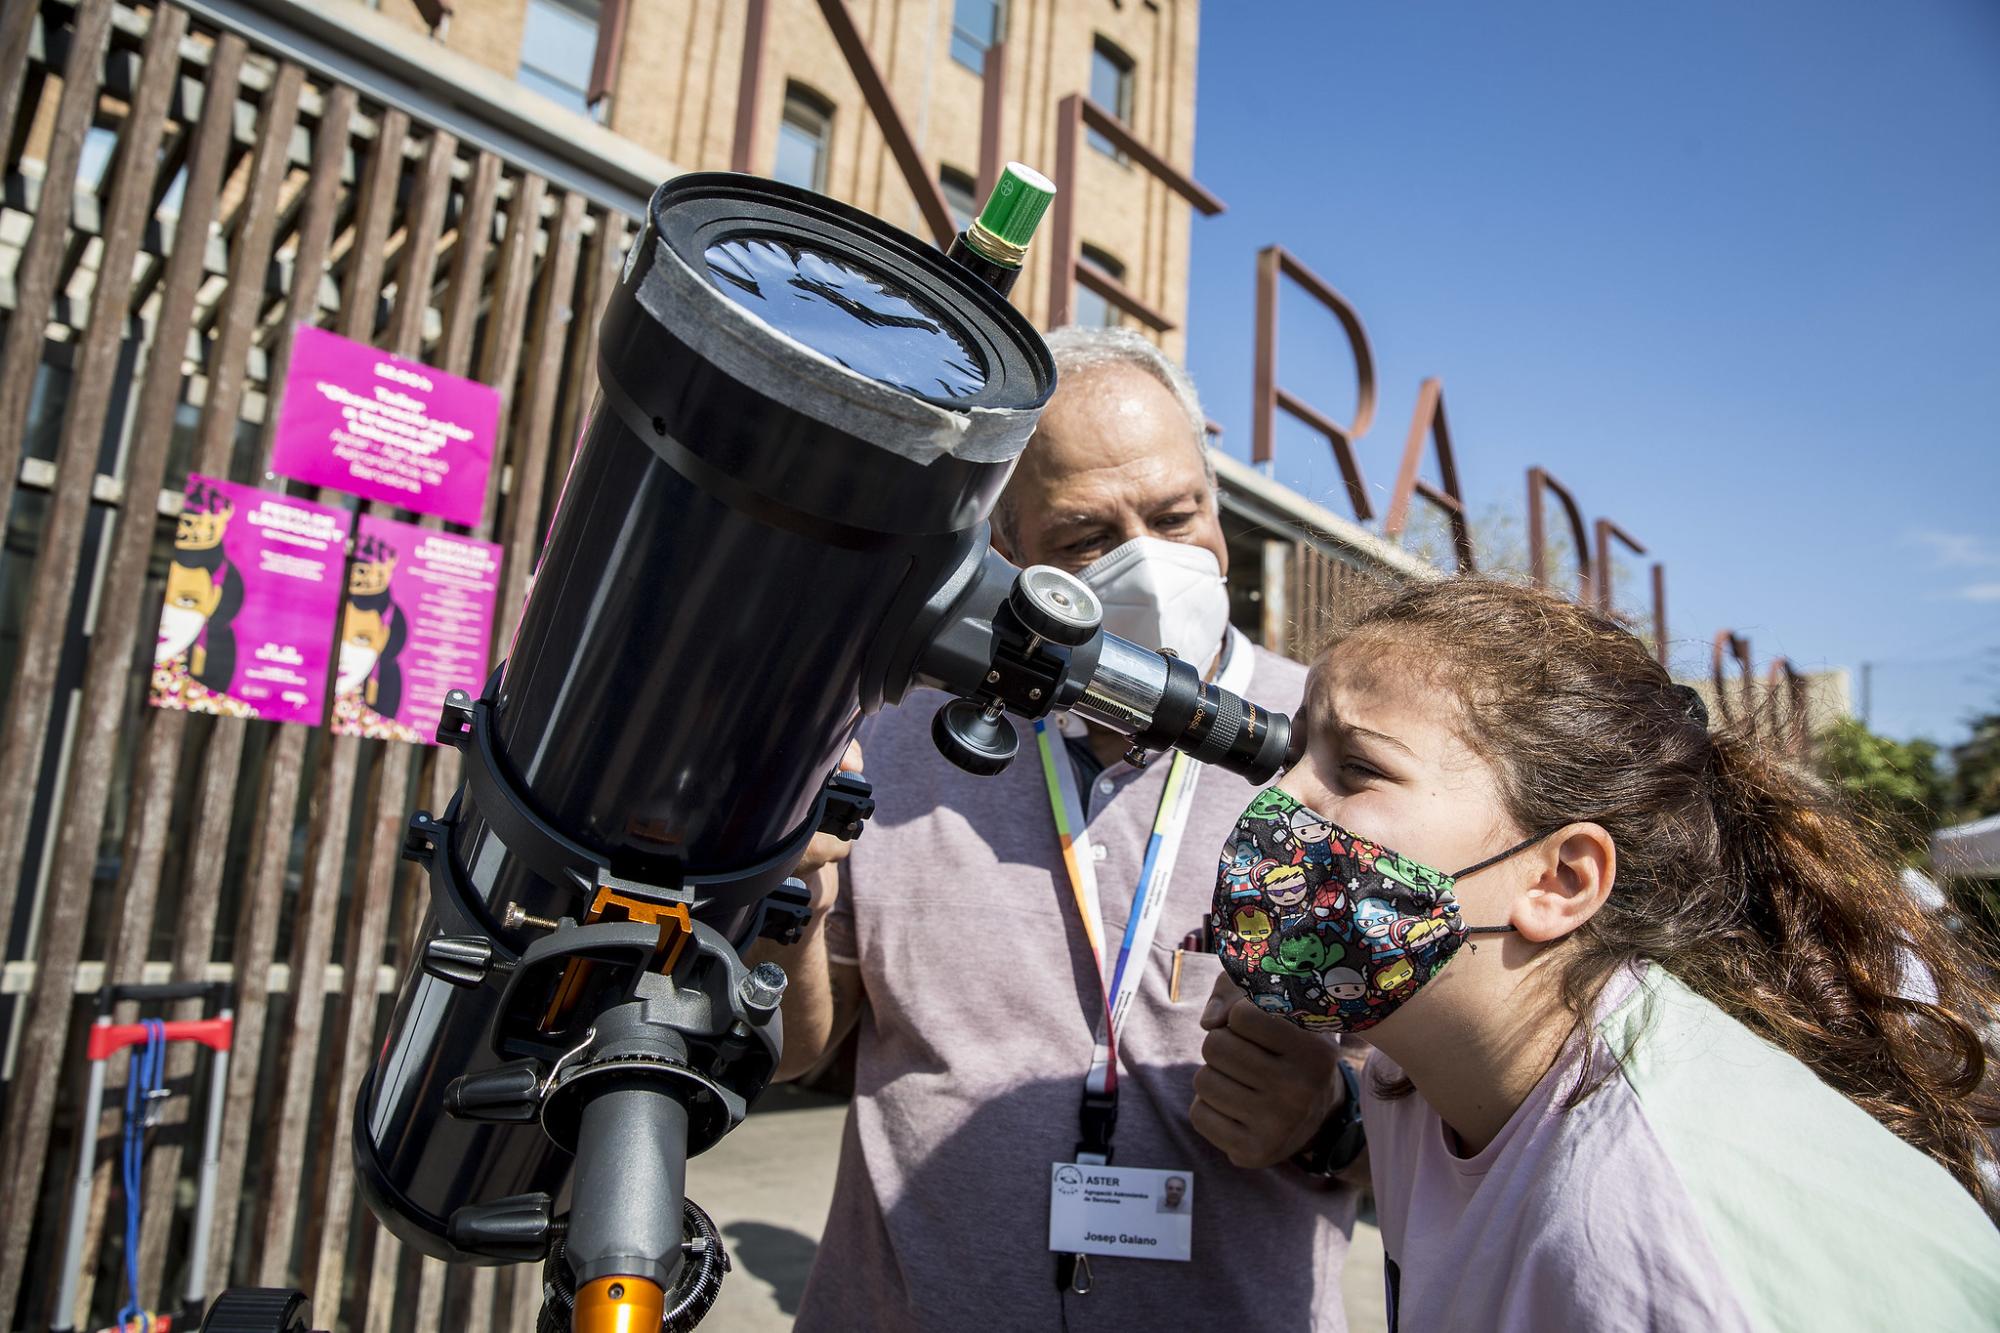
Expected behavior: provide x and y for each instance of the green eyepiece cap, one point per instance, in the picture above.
(1015, 208)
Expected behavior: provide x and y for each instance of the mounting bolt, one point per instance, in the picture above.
(993, 678)
(1035, 693)
(763, 989)
(515, 918)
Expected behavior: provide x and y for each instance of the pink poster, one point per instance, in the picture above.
(375, 425)
(418, 619)
(252, 593)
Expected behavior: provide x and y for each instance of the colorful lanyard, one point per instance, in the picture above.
(1120, 980)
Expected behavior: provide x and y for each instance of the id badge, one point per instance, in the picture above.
(1133, 1212)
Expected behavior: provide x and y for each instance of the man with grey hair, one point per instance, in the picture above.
(1080, 352)
(958, 938)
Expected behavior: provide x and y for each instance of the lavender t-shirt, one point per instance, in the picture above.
(1712, 1182)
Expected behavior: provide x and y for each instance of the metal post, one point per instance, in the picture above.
(992, 102)
(79, 1204)
(211, 1161)
(1264, 375)
(1277, 607)
(1063, 247)
(749, 77)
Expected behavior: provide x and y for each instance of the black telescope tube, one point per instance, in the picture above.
(804, 418)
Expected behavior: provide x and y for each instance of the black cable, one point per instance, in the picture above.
(704, 1264)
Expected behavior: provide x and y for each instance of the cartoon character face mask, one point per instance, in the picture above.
(1329, 929)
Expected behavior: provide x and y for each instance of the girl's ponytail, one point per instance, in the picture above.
(1869, 990)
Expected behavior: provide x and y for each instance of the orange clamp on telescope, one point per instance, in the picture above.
(675, 927)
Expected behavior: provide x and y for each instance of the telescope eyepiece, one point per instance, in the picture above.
(1214, 726)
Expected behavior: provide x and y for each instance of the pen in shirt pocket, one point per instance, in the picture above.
(1198, 940)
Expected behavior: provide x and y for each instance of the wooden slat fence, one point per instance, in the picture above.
(147, 324)
(1322, 592)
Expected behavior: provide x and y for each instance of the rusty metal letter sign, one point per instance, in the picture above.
(1540, 482)
(1267, 397)
(1607, 532)
(1065, 249)
(1429, 420)
(1729, 644)
(896, 136)
(1786, 708)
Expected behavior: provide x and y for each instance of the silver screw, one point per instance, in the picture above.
(515, 917)
(992, 677)
(763, 989)
(1035, 693)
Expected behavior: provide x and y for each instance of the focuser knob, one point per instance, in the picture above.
(979, 740)
(1056, 605)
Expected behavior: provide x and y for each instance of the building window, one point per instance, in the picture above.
(804, 136)
(975, 26)
(1090, 308)
(1110, 88)
(558, 48)
(961, 194)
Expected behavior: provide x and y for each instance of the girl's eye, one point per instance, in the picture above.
(1356, 768)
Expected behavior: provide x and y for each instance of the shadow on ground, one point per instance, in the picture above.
(777, 1256)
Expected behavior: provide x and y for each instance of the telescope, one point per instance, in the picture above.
(774, 525)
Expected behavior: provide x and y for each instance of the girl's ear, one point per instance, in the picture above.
(1575, 869)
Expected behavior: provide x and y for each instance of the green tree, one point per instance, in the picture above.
(1897, 782)
(1975, 771)
(1975, 793)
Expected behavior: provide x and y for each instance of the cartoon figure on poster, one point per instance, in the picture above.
(194, 658)
(368, 682)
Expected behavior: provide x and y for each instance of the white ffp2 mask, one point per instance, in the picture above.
(1162, 594)
(180, 626)
(355, 664)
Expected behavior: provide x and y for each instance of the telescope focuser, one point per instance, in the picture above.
(1045, 637)
(1030, 641)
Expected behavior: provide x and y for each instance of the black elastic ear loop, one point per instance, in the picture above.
(1495, 860)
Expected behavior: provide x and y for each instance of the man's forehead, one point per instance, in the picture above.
(1112, 417)
(1141, 482)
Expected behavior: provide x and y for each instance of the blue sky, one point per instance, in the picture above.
(1731, 272)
